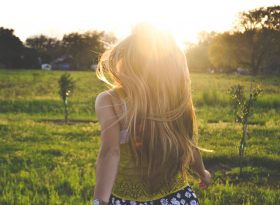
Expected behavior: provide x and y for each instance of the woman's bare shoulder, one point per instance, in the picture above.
(108, 95)
(107, 98)
(108, 106)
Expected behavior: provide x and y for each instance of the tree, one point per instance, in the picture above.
(261, 32)
(84, 48)
(242, 110)
(95, 46)
(254, 44)
(230, 51)
(66, 87)
(197, 54)
(223, 51)
(48, 48)
(259, 19)
(11, 48)
(30, 58)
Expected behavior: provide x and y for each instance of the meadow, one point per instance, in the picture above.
(43, 161)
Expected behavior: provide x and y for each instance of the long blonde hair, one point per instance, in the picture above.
(151, 71)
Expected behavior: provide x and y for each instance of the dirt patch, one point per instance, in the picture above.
(70, 122)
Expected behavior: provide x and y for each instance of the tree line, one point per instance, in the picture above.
(81, 49)
(253, 45)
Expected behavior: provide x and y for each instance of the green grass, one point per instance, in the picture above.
(42, 162)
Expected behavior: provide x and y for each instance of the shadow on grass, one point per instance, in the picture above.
(257, 171)
(227, 162)
(265, 132)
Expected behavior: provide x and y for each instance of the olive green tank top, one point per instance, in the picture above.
(129, 186)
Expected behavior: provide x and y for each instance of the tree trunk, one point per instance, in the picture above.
(242, 146)
(65, 112)
(243, 140)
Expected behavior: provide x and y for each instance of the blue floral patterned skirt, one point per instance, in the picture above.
(185, 196)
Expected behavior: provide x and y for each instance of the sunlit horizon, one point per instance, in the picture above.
(183, 19)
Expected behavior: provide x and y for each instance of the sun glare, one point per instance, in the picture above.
(184, 19)
(172, 16)
(180, 35)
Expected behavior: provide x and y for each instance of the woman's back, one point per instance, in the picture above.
(129, 184)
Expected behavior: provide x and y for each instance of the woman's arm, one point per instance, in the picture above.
(199, 168)
(109, 155)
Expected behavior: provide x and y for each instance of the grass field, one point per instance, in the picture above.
(45, 162)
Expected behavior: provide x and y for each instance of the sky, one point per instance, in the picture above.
(184, 18)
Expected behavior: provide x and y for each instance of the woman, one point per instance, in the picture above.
(148, 132)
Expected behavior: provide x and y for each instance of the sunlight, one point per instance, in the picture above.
(184, 19)
(179, 33)
(172, 16)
